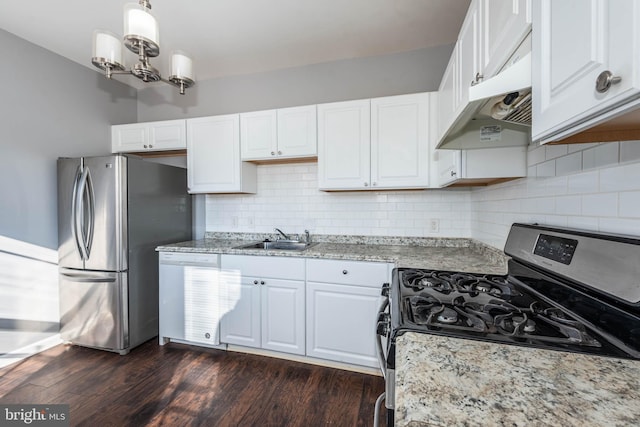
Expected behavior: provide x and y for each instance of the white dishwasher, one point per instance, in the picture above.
(189, 298)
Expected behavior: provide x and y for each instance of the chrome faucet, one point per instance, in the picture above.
(281, 233)
(307, 236)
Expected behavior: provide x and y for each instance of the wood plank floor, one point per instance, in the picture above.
(179, 385)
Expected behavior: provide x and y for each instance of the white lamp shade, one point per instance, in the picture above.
(181, 65)
(139, 22)
(108, 46)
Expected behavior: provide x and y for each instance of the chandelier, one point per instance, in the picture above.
(141, 36)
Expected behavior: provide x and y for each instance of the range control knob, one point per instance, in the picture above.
(385, 290)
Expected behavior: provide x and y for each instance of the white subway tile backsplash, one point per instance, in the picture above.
(569, 164)
(580, 185)
(630, 204)
(602, 155)
(629, 151)
(555, 151)
(602, 205)
(546, 169)
(586, 182)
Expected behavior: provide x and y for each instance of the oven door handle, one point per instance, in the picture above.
(380, 353)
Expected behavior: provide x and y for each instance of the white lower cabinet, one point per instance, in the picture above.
(263, 303)
(342, 303)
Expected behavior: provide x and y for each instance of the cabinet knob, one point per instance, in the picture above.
(273, 153)
(604, 81)
(262, 282)
(145, 146)
(207, 335)
(255, 282)
(150, 146)
(345, 272)
(279, 152)
(453, 173)
(374, 183)
(366, 184)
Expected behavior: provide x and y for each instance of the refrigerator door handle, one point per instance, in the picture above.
(79, 277)
(75, 212)
(91, 215)
(80, 214)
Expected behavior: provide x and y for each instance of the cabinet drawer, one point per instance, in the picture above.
(265, 266)
(361, 273)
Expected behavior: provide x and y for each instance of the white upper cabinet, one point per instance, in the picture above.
(491, 32)
(279, 134)
(400, 141)
(575, 45)
(258, 134)
(213, 157)
(505, 23)
(150, 136)
(375, 144)
(344, 144)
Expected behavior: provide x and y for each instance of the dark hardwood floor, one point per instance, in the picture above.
(178, 385)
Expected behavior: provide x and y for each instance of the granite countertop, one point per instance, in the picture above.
(444, 381)
(441, 254)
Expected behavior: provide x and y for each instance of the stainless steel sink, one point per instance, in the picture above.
(286, 245)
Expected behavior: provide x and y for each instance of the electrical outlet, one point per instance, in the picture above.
(434, 226)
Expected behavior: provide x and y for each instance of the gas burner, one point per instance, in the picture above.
(447, 316)
(419, 280)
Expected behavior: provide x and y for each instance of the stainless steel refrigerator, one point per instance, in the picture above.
(112, 213)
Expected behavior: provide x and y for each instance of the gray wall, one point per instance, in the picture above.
(394, 74)
(50, 107)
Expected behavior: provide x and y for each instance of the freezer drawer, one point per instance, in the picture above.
(93, 309)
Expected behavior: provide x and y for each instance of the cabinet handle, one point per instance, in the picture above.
(262, 282)
(604, 81)
(255, 282)
(477, 80)
(273, 153)
(453, 173)
(344, 272)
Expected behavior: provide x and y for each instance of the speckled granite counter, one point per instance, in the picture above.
(441, 254)
(471, 383)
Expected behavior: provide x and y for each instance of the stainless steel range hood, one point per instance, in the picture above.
(498, 113)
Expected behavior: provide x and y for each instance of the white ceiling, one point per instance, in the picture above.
(230, 37)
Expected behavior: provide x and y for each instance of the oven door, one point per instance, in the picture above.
(384, 351)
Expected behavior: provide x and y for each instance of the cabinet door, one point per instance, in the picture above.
(240, 310)
(400, 141)
(297, 132)
(468, 51)
(213, 156)
(344, 139)
(340, 323)
(505, 23)
(564, 71)
(258, 135)
(449, 166)
(168, 135)
(448, 95)
(129, 138)
(283, 316)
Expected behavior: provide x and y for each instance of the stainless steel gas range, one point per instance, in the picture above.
(566, 290)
